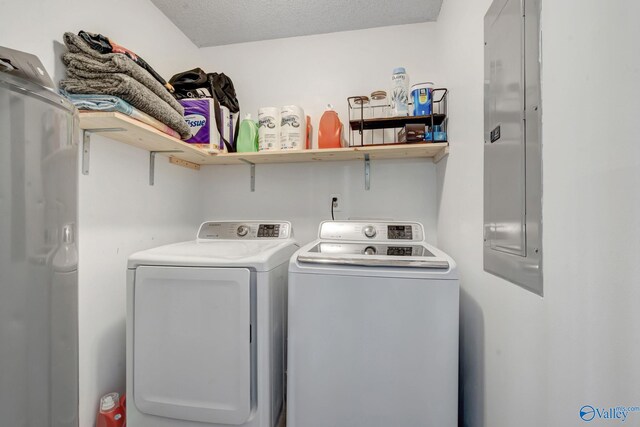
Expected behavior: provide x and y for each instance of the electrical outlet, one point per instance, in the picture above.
(337, 205)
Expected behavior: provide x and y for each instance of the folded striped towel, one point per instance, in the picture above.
(115, 104)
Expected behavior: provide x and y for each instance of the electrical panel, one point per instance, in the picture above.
(512, 144)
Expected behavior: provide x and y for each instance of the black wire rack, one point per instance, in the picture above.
(365, 118)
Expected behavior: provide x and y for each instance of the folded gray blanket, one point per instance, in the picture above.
(82, 61)
(135, 93)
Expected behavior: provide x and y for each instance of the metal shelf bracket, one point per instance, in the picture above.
(367, 172)
(252, 172)
(86, 145)
(152, 163)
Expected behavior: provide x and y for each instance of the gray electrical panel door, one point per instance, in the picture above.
(504, 153)
(512, 184)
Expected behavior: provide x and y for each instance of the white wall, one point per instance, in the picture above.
(591, 205)
(300, 193)
(526, 360)
(119, 212)
(311, 72)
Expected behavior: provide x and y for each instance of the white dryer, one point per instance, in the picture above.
(206, 327)
(373, 329)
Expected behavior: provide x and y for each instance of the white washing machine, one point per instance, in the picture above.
(206, 328)
(373, 329)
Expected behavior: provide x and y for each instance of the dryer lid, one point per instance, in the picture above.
(260, 245)
(259, 255)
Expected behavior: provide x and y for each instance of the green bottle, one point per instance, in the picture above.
(248, 136)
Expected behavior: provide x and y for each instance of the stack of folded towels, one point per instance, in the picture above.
(114, 82)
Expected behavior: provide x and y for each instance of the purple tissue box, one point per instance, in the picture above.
(199, 113)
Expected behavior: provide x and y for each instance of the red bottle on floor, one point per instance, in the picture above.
(112, 411)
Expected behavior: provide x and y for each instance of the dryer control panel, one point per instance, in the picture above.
(398, 231)
(244, 230)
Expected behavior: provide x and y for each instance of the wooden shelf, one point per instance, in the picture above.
(140, 135)
(375, 152)
(146, 137)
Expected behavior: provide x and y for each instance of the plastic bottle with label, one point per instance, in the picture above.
(248, 136)
(399, 92)
(112, 412)
(330, 129)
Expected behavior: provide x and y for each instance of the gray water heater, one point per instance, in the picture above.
(512, 143)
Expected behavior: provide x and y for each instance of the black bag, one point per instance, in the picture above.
(198, 84)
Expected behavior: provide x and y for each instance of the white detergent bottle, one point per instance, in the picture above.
(399, 92)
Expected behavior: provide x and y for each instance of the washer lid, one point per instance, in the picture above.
(374, 254)
(262, 255)
(335, 257)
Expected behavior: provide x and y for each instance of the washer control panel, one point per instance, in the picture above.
(372, 231)
(400, 232)
(245, 230)
(350, 249)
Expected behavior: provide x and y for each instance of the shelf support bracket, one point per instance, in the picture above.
(367, 172)
(441, 154)
(252, 172)
(86, 145)
(152, 163)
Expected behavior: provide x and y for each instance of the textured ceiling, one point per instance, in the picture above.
(219, 22)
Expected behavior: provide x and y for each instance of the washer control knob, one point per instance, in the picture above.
(370, 250)
(370, 231)
(242, 230)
